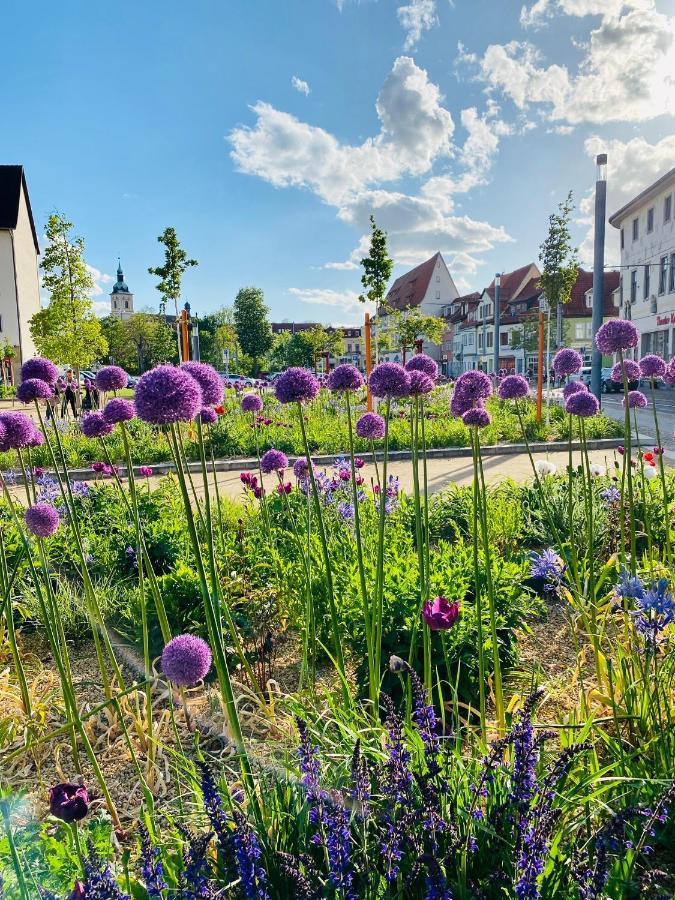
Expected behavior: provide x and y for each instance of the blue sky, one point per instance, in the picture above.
(266, 132)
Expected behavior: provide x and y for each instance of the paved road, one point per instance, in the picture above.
(665, 408)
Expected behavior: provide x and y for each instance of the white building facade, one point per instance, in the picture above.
(19, 278)
(647, 288)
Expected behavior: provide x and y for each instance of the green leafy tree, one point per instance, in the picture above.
(559, 262)
(151, 340)
(377, 266)
(176, 262)
(67, 330)
(117, 350)
(412, 326)
(325, 340)
(526, 335)
(254, 331)
(217, 334)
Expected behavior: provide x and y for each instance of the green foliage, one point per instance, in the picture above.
(254, 332)
(140, 342)
(377, 266)
(558, 257)
(412, 325)
(176, 262)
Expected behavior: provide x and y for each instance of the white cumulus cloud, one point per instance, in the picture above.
(416, 17)
(345, 303)
(300, 86)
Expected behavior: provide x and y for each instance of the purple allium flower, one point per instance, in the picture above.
(630, 369)
(344, 378)
(17, 431)
(440, 614)
(37, 439)
(186, 660)
(41, 368)
(460, 403)
(474, 385)
(167, 394)
(669, 376)
(513, 387)
(119, 410)
(582, 404)
(301, 468)
(476, 417)
(652, 366)
(273, 461)
(208, 416)
(251, 403)
(611, 495)
(573, 387)
(547, 567)
(370, 426)
(95, 424)
(567, 362)
(42, 520)
(420, 362)
(420, 383)
(111, 378)
(636, 400)
(145, 471)
(34, 389)
(69, 802)
(208, 380)
(296, 385)
(389, 379)
(617, 335)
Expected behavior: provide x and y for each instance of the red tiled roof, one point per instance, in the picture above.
(511, 282)
(409, 289)
(577, 303)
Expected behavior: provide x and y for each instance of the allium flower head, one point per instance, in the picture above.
(119, 410)
(301, 468)
(547, 567)
(617, 335)
(476, 417)
(296, 385)
(145, 471)
(69, 802)
(652, 366)
(636, 400)
(630, 369)
(111, 378)
(251, 403)
(440, 614)
(41, 368)
(460, 403)
(513, 387)
(186, 660)
(573, 387)
(167, 394)
(34, 389)
(582, 404)
(370, 426)
(42, 520)
(669, 375)
(208, 416)
(273, 461)
(17, 431)
(345, 377)
(95, 424)
(545, 467)
(420, 362)
(420, 383)
(208, 380)
(474, 384)
(389, 379)
(567, 362)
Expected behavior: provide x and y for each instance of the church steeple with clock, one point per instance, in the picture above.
(121, 298)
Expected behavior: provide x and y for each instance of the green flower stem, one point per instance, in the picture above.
(219, 505)
(426, 636)
(188, 474)
(478, 590)
(662, 474)
(7, 583)
(339, 658)
(16, 862)
(588, 486)
(379, 571)
(629, 468)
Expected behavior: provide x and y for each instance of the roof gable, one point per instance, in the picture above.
(408, 290)
(12, 180)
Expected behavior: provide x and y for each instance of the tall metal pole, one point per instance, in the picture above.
(495, 356)
(599, 268)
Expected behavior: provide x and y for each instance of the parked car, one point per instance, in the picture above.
(614, 387)
(233, 378)
(584, 375)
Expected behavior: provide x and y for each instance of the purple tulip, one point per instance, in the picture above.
(440, 614)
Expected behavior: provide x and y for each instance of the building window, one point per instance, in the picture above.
(668, 208)
(663, 271)
(126, 304)
(438, 278)
(622, 239)
(650, 220)
(636, 229)
(490, 339)
(633, 286)
(645, 291)
(671, 286)
(579, 331)
(480, 341)
(621, 290)
(438, 295)
(503, 339)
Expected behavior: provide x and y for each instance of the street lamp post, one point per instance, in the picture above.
(495, 357)
(598, 268)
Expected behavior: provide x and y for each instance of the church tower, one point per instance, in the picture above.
(121, 298)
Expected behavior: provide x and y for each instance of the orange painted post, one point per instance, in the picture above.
(540, 366)
(184, 336)
(368, 360)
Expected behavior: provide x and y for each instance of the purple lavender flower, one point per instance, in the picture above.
(629, 368)
(338, 839)
(208, 416)
(213, 804)
(346, 511)
(166, 394)
(195, 883)
(389, 380)
(617, 335)
(99, 881)
(296, 385)
(17, 431)
(474, 385)
(420, 383)
(345, 377)
(273, 461)
(652, 366)
(567, 362)
(420, 362)
(111, 378)
(573, 387)
(370, 426)
(636, 400)
(547, 567)
(34, 389)
(513, 387)
(186, 660)
(247, 853)
(40, 367)
(95, 425)
(582, 404)
(208, 380)
(251, 403)
(476, 417)
(42, 520)
(119, 410)
(360, 778)
(151, 866)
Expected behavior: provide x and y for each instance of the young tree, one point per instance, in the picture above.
(171, 273)
(559, 262)
(254, 332)
(377, 266)
(67, 330)
(324, 340)
(414, 325)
